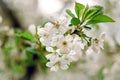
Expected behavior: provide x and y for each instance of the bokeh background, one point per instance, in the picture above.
(20, 15)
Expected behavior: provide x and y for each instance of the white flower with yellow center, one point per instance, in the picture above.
(60, 25)
(54, 54)
(45, 34)
(64, 43)
(97, 45)
(45, 37)
(57, 64)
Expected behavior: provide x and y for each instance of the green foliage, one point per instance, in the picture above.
(30, 52)
(100, 18)
(79, 9)
(94, 11)
(26, 35)
(84, 13)
(75, 21)
(70, 13)
(34, 57)
(89, 14)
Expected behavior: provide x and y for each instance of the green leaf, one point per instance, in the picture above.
(75, 21)
(99, 19)
(26, 35)
(94, 11)
(78, 9)
(70, 13)
(100, 74)
(31, 50)
(84, 13)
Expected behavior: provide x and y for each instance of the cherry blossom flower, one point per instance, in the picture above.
(57, 64)
(97, 45)
(54, 54)
(64, 43)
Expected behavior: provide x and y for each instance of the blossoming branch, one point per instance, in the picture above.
(66, 41)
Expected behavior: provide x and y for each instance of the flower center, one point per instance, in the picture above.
(45, 35)
(96, 41)
(64, 43)
(56, 25)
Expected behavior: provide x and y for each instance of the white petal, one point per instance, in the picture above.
(32, 29)
(49, 26)
(72, 52)
(63, 20)
(102, 35)
(82, 46)
(58, 51)
(49, 49)
(54, 40)
(49, 56)
(69, 38)
(41, 31)
(54, 68)
(50, 64)
(64, 67)
(89, 51)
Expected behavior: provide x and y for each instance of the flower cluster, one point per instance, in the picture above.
(67, 41)
(64, 47)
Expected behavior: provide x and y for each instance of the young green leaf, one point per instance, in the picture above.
(84, 13)
(99, 19)
(31, 50)
(70, 13)
(75, 21)
(78, 9)
(26, 35)
(94, 11)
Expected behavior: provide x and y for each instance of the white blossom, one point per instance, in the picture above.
(71, 56)
(32, 29)
(45, 34)
(89, 51)
(77, 47)
(57, 64)
(61, 25)
(54, 55)
(65, 48)
(64, 43)
(97, 45)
